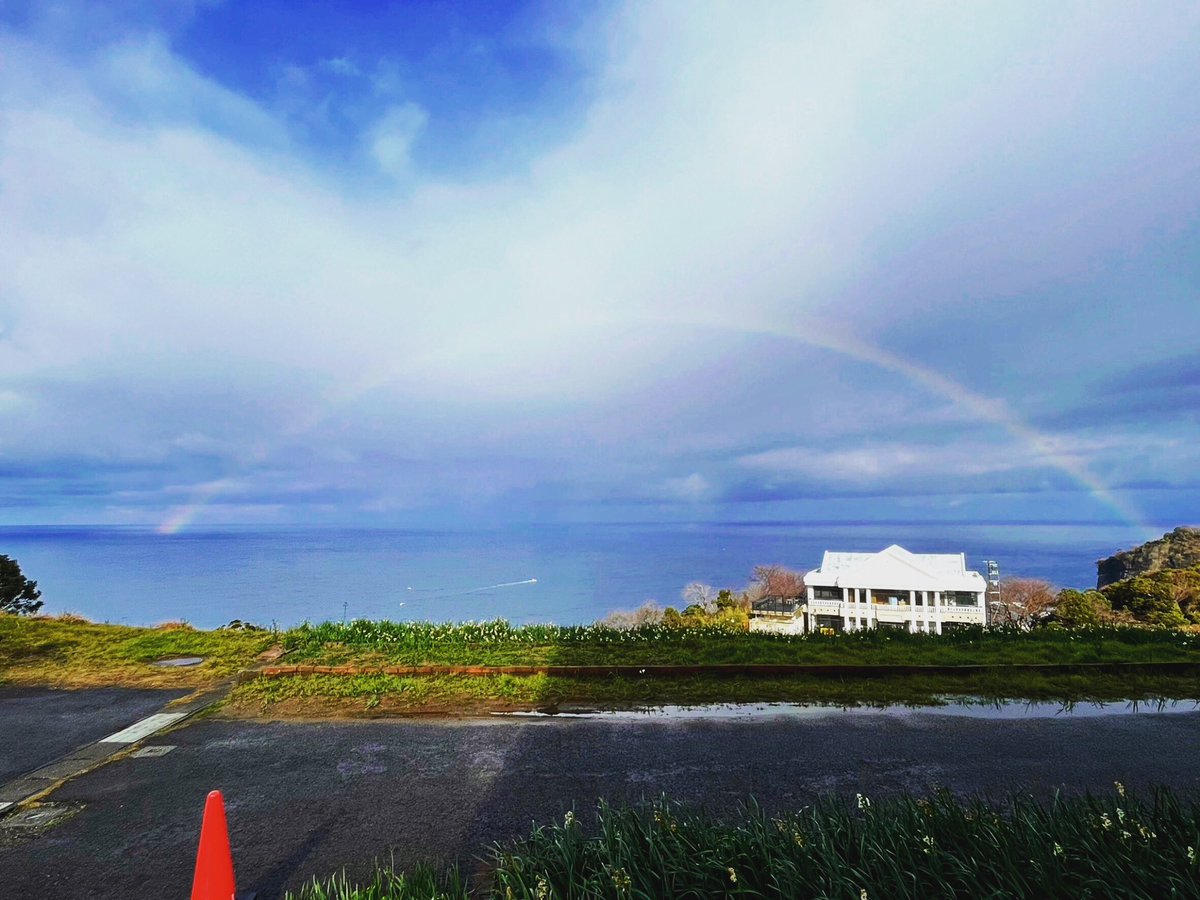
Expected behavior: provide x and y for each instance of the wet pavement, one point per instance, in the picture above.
(306, 799)
(38, 725)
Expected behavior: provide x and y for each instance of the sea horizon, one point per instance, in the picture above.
(285, 574)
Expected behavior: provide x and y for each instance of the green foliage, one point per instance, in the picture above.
(77, 652)
(405, 693)
(423, 883)
(1150, 598)
(906, 847)
(17, 593)
(1087, 609)
(721, 639)
(726, 599)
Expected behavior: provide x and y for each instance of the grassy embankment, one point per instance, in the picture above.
(376, 644)
(71, 653)
(1118, 845)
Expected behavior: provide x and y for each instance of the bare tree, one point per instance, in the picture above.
(1023, 602)
(776, 581)
(702, 595)
(649, 613)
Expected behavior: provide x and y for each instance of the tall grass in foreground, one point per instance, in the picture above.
(1117, 846)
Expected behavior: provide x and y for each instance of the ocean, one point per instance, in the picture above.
(564, 574)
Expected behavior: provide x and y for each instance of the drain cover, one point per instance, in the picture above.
(36, 816)
(151, 752)
(181, 661)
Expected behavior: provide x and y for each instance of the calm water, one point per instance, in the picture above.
(582, 572)
(1008, 710)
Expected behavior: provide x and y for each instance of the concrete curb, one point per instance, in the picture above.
(751, 670)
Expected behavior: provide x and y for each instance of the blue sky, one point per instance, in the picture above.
(447, 263)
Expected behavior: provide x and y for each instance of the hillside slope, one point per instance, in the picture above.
(1178, 549)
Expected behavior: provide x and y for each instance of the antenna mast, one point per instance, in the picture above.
(993, 587)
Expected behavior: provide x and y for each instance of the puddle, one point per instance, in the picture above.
(180, 661)
(958, 706)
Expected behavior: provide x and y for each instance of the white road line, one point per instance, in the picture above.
(144, 728)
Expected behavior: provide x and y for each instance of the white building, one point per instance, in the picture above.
(892, 588)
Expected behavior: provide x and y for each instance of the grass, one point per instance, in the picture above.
(499, 643)
(379, 694)
(70, 652)
(937, 847)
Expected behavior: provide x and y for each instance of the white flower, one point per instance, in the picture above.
(1058, 850)
(863, 802)
(732, 875)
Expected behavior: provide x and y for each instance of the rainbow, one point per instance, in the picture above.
(986, 409)
(818, 335)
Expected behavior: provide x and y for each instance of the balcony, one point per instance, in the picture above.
(776, 606)
(825, 607)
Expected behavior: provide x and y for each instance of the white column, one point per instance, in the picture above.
(846, 609)
(925, 598)
(937, 610)
(912, 610)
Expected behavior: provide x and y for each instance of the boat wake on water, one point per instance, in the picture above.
(441, 593)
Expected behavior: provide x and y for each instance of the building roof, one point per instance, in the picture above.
(896, 568)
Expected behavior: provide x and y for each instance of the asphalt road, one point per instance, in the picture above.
(38, 725)
(305, 799)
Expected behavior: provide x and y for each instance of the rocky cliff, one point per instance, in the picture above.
(1178, 549)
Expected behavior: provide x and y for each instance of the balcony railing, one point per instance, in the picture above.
(776, 606)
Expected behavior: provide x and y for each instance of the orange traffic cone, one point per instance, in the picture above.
(214, 861)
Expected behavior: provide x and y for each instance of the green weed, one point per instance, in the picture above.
(936, 847)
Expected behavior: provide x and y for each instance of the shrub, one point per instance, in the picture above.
(1151, 598)
(1081, 610)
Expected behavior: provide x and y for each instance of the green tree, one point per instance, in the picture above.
(1077, 609)
(672, 618)
(17, 593)
(1185, 588)
(1150, 598)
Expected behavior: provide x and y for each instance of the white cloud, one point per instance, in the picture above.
(390, 139)
(691, 488)
(732, 170)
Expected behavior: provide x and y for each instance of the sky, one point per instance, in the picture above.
(463, 263)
